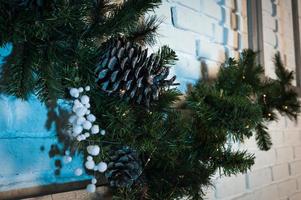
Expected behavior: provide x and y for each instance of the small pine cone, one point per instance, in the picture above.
(125, 70)
(124, 168)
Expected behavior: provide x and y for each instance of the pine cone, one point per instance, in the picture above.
(125, 70)
(124, 168)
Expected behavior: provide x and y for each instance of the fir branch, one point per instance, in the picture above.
(284, 76)
(126, 16)
(234, 162)
(17, 74)
(168, 56)
(263, 138)
(145, 31)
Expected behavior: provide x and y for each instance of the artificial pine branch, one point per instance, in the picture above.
(262, 137)
(235, 162)
(283, 75)
(125, 16)
(145, 31)
(17, 74)
(168, 56)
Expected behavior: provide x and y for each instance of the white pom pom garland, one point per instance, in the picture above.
(102, 132)
(93, 150)
(102, 167)
(74, 92)
(84, 99)
(94, 181)
(78, 172)
(91, 188)
(90, 164)
(87, 88)
(82, 119)
(87, 125)
(95, 129)
(91, 118)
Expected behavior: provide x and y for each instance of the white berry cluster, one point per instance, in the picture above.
(83, 127)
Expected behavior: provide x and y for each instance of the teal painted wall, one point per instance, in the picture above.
(25, 144)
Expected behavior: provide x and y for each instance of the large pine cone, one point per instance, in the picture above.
(125, 70)
(124, 168)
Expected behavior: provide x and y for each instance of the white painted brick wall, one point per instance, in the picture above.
(204, 33)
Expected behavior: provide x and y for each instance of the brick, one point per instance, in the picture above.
(291, 124)
(209, 69)
(193, 4)
(187, 67)
(277, 138)
(280, 172)
(230, 4)
(164, 11)
(295, 168)
(284, 154)
(248, 196)
(267, 6)
(296, 196)
(264, 158)
(245, 41)
(297, 152)
(210, 50)
(269, 36)
(212, 9)
(234, 20)
(269, 21)
(259, 178)
(177, 39)
(244, 25)
(209, 193)
(229, 186)
(250, 144)
(227, 20)
(291, 137)
(244, 7)
(182, 18)
(286, 188)
(280, 123)
(267, 193)
(219, 34)
(298, 179)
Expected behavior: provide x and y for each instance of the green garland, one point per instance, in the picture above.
(180, 148)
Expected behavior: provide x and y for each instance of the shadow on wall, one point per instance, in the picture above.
(30, 152)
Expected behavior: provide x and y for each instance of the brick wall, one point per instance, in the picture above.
(204, 33)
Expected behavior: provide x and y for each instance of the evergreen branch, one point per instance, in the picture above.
(17, 75)
(145, 31)
(234, 162)
(263, 138)
(126, 16)
(284, 76)
(168, 56)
